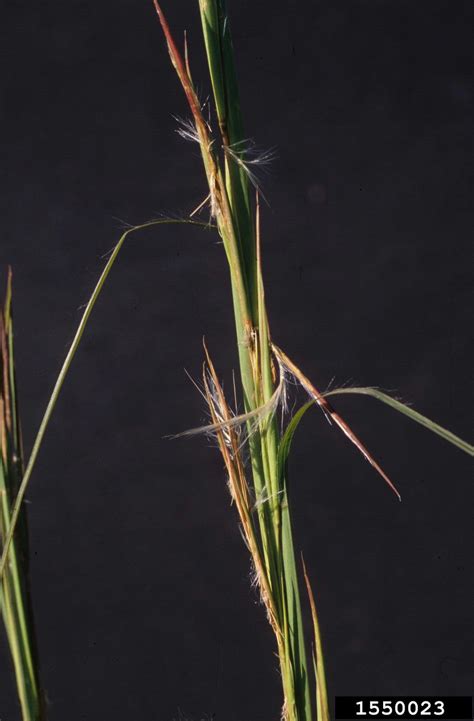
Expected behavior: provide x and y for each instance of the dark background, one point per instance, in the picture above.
(140, 576)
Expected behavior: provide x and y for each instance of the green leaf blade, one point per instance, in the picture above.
(409, 412)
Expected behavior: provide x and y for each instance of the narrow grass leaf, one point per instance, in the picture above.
(287, 438)
(322, 705)
(65, 369)
(409, 412)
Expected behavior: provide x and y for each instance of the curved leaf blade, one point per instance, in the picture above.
(410, 413)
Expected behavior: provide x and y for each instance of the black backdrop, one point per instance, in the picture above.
(140, 577)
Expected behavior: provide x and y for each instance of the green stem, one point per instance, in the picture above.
(256, 370)
(19, 630)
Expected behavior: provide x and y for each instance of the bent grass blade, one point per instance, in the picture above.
(65, 369)
(406, 411)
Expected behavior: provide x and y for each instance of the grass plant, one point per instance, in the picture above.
(15, 599)
(259, 486)
(261, 493)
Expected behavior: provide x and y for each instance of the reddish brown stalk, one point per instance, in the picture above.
(179, 64)
(324, 404)
(219, 201)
